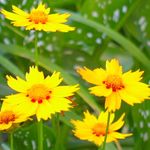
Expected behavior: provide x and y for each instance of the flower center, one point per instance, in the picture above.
(6, 117)
(99, 129)
(38, 92)
(37, 16)
(114, 82)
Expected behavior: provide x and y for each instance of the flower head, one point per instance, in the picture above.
(93, 129)
(38, 19)
(9, 118)
(39, 95)
(115, 85)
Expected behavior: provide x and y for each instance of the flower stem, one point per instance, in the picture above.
(39, 123)
(57, 126)
(11, 141)
(36, 48)
(107, 127)
(40, 134)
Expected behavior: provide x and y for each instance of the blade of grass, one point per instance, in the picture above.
(10, 66)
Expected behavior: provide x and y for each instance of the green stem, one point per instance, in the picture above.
(107, 127)
(40, 135)
(11, 141)
(39, 123)
(57, 127)
(36, 48)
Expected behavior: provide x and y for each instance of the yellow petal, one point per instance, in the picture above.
(44, 111)
(17, 84)
(103, 117)
(96, 76)
(19, 11)
(118, 124)
(130, 99)
(64, 91)
(34, 76)
(53, 27)
(53, 81)
(113, 67)
(138, 90)
(11, 16)
(20, 103)
(58, 18)
(100, 91)
(117, 135)
(113, 101)
(130, 77)
(89, 120)
(60, 104)
(5, 126)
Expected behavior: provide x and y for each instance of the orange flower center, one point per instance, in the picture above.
(37, 16)
(6, 117)
(114, 82)
(99, 129)
(38, 92)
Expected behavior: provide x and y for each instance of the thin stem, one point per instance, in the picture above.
(11, 141)
(36, 49)
(40, 135)
(107, 127)
(57, 126)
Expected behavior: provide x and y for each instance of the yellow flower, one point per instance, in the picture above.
(38, 19)
(115, 85)
(93, 129)
(9, 118)
(39, 95)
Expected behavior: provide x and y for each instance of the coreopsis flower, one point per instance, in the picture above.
(94, 129)
(38, 19)
(115, 85)
(10, 118)
(38, 95)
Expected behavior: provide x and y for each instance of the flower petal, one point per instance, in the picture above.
(20, 12)
(113, 67)
(64, 91)
(130, 99)
(113, 101)
(118, 124)
(130, 77)
(5, 126)
(97, 76)
(34, 76)
(100, 91)
(20, 103)
(44, 111)
(53, 81)
(103, 117)
(17, 84)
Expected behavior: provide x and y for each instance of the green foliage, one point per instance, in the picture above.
(104, 29)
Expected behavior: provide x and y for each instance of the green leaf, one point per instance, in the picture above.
(117, 37)
(8, 65)
(26, 137)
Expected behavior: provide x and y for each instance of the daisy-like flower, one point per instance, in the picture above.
(38, 19)
(115, 85)
(93, 129)
(10, 118)
(38, 95)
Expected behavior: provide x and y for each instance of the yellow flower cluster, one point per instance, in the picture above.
(35, 96)
(38, 19)
(115, 85)
(94, 129)
(43, 96)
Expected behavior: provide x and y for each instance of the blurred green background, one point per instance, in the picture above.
(105, 29)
